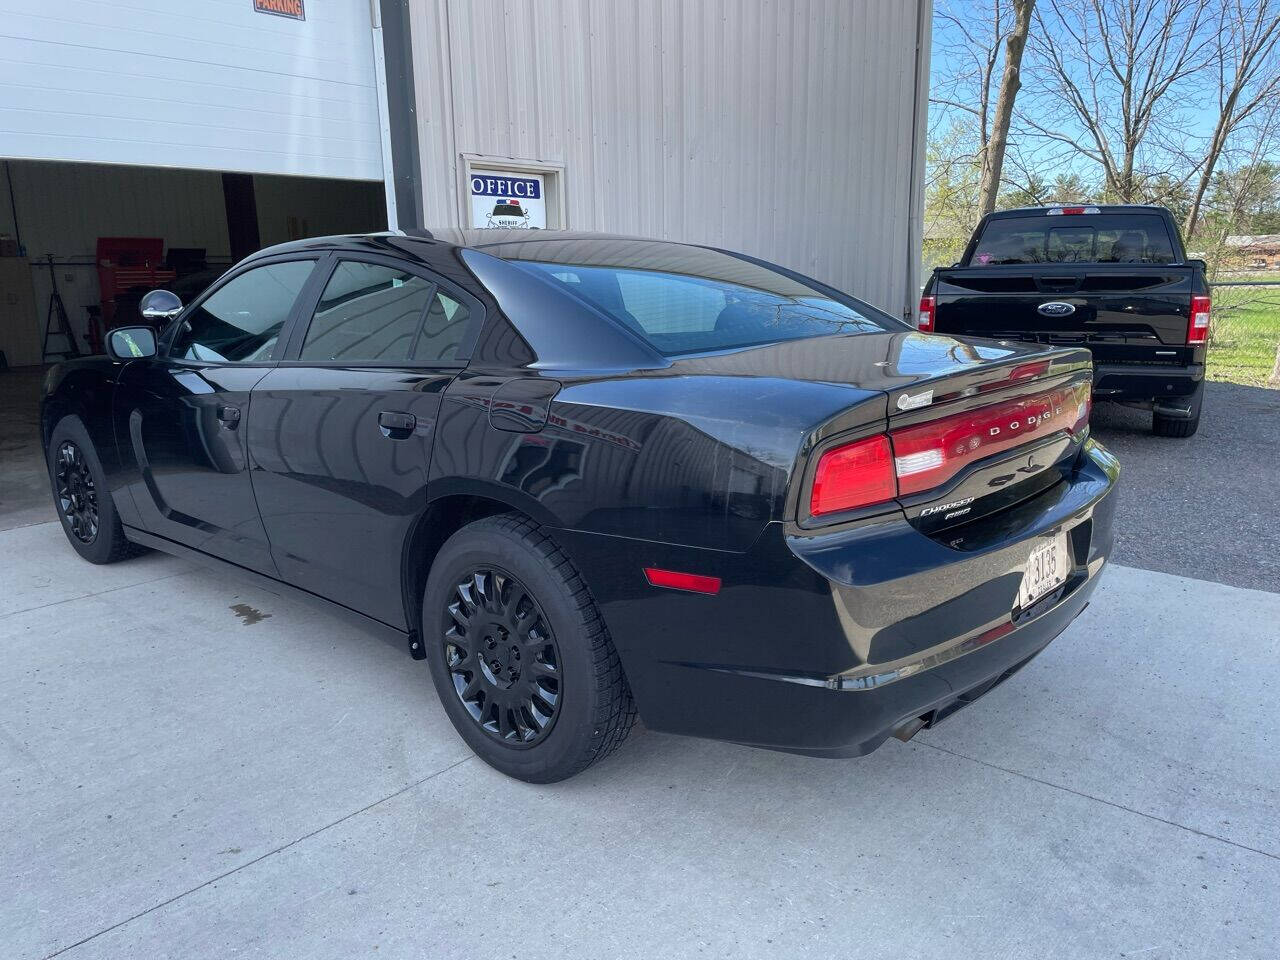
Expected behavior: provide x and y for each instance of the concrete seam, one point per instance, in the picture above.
(270, 853)
(1109, 803)
(100, 593)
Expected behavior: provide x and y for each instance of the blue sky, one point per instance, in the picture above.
(1196, 115)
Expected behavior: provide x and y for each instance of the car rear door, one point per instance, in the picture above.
(342, 428)
(180, 417)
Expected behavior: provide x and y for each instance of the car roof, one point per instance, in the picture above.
(564, 331)
(439, 249)
(476, 239)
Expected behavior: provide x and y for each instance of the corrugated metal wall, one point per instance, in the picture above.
(208, 84)
(780, 128)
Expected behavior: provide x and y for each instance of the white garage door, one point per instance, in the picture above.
(209, 84)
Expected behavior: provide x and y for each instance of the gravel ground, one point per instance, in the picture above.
(1204, 507)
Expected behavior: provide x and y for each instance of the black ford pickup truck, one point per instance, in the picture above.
(1114, 279)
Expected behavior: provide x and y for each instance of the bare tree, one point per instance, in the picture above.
(974, 89)
(1010, 83)
(1249, 183)
(1112, 71)
(1247, 61)
(967, 49)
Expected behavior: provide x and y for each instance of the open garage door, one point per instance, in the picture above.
(100, 235)
(153, 143)
(256, 86)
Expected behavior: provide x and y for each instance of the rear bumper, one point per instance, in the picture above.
(855, 721)
(825, 644)
(1120, 381)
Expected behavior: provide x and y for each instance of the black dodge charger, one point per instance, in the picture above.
(584, 476)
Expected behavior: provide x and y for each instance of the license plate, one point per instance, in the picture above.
(1046, 570)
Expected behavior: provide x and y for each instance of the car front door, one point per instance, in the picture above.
(181, 418)
(342, 429)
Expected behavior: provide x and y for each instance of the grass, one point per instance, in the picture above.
(1246, 334)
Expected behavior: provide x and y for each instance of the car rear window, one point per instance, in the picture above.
(1074, 238)
(679, 313)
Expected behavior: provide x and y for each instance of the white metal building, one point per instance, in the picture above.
(790, 130)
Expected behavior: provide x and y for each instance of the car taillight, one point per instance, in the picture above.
(858, 474)
(929, 454)
(914, 459)
(1070, 211)
(928, 311)
(1198, 325)
(1084, 406)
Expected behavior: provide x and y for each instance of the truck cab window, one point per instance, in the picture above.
(1087, 238)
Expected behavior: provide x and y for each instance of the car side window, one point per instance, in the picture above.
(444, 329)
(241, 321)
(370, 312)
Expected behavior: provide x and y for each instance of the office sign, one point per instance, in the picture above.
(507, 200)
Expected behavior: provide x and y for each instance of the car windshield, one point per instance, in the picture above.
(689, 300)
(1078, 238)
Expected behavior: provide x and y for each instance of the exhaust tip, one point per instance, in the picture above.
(909, 729)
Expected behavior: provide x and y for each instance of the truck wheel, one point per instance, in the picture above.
(1164, 426)
(80, 494)
(519, 655)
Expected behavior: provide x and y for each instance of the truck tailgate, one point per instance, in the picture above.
(1119, 311)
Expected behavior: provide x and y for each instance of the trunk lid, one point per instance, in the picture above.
(973, 442)
(1010, 404)
(973, 427)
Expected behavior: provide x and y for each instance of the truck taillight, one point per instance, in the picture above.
(1070, 211)
(928, 311)
(858, 474)
(1198, 325)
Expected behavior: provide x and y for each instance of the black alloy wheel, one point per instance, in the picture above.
(502, 657)
(76, 492)
(519, 653)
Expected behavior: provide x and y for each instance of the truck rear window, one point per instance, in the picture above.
(1080, 238)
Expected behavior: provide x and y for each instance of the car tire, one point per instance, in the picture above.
(1163, 426)
(519, 654)
(80, 495)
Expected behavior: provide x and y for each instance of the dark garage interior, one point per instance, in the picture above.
(83, 242)
(98, 236)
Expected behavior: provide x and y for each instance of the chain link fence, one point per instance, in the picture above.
(1244, 339)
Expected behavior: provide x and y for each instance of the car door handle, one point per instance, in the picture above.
(396, 425)
(229, 415)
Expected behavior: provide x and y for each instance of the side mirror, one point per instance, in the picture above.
(160, 306)
(132, 343)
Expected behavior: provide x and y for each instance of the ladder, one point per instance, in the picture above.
(56, 323)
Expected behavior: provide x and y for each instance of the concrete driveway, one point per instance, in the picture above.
(192, 767)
